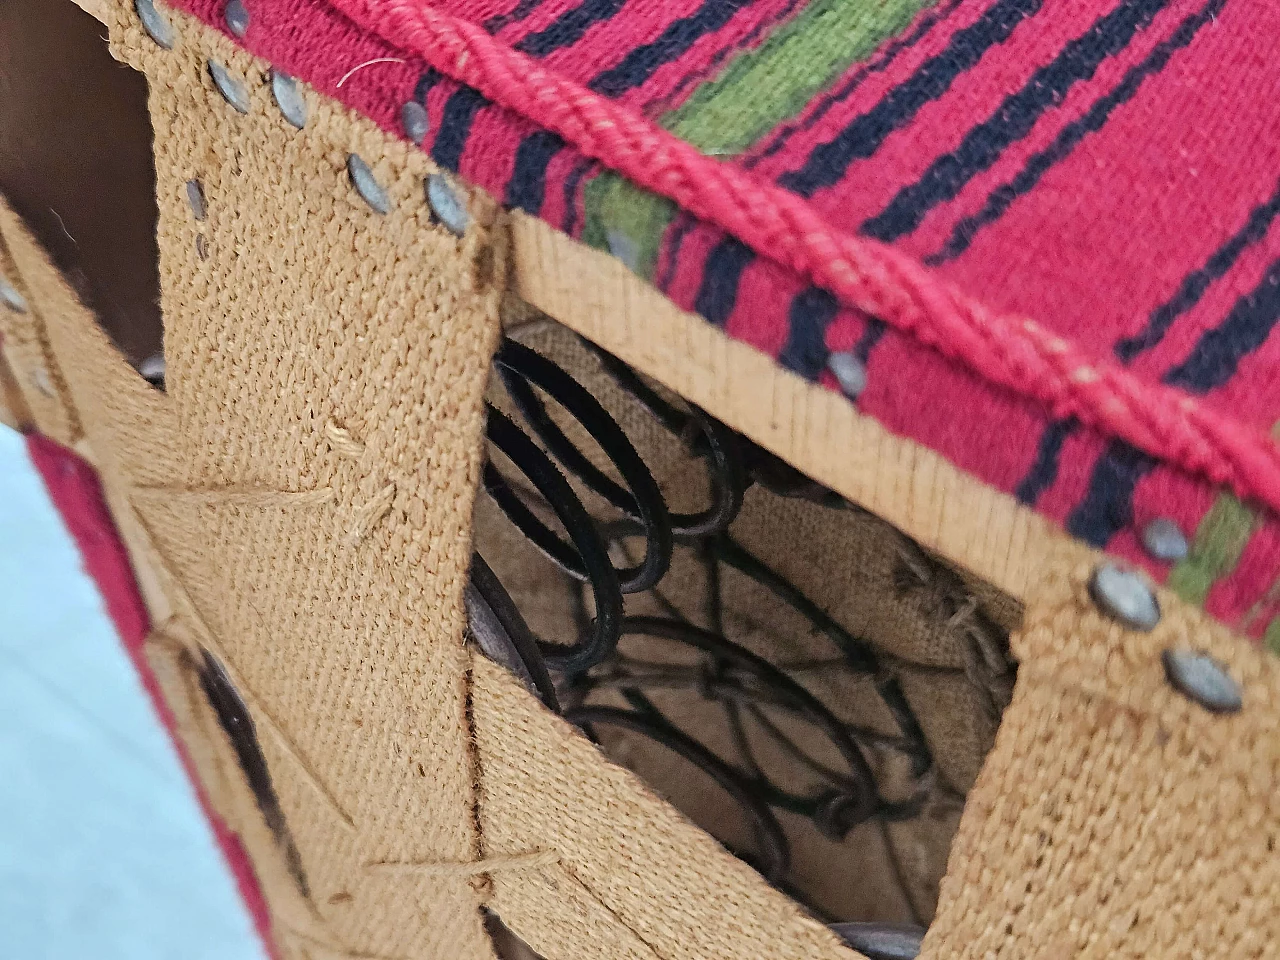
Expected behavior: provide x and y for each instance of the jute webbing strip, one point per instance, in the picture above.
(175, 666)
(104, 394)
(301, 307)
(24, 342)
(14, 412)
(628, 861)
(1115, 818)
(1159, 822)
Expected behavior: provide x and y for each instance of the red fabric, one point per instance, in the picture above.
(1109, 168)
(76, 493)
(1006, 349)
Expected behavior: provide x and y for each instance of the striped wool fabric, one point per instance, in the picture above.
(1110, 168)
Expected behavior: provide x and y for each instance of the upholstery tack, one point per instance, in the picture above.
(882, 941)
(232, 90)
(850, 373)
(237, 17)
(367, 185)
(195, 197)
(155, 23)
(1203, 679)
(446, 205)
(1164, 540)
(152, 370)
(289, 98)
(417, 124)
(40, 378)
(1125, 596)
(11, 298)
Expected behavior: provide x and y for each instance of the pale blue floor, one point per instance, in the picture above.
(104, 854)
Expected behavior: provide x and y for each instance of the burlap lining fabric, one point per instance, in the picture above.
(303, 496)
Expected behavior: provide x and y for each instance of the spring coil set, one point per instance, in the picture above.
(533, 485)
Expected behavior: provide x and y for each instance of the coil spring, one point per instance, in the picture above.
(742, 682)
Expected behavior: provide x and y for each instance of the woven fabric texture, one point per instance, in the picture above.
(1115, 818)
(75, 488)
(994, 139)
(76, 492)
(304, 489)
(33, 378)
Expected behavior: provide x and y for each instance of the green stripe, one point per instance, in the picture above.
(1271, 638)
(760, 88)
(757, 90)
(1219, 541)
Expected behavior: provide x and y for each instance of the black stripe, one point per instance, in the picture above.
(516, 13)
(1107, 507)
(1215, 357)
(639, 64)
(1040, 163)
(871, 336)
(883, 59)
(719, 290)
(569, 27)
(528, 184)
(805, 351)
(1045, 469)
(430, 77)
(455, 126)
(1013, 119)
(827, 164)
(683, 225)
(1196, 283)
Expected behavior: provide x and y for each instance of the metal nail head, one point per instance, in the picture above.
(881, 941)
(237, 17)
(232, 90)
(417, 124)
(850, 373)
(367, 185)
(152, 370)
(156, 24)
(11, 298)
(195, 197)
(1202, 678)
(445, 204)
(1164, 540)
(1125, 596)
(624, 248)
(289, 98)
(43, 383)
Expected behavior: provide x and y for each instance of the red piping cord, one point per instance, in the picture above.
(1011, 351)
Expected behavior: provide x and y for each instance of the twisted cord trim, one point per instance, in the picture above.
(1007, 350)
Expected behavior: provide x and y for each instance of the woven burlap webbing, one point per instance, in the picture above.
(305, 489)
(33, 384)
(1115, 818)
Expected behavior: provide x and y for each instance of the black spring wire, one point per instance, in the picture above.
(731, 675)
